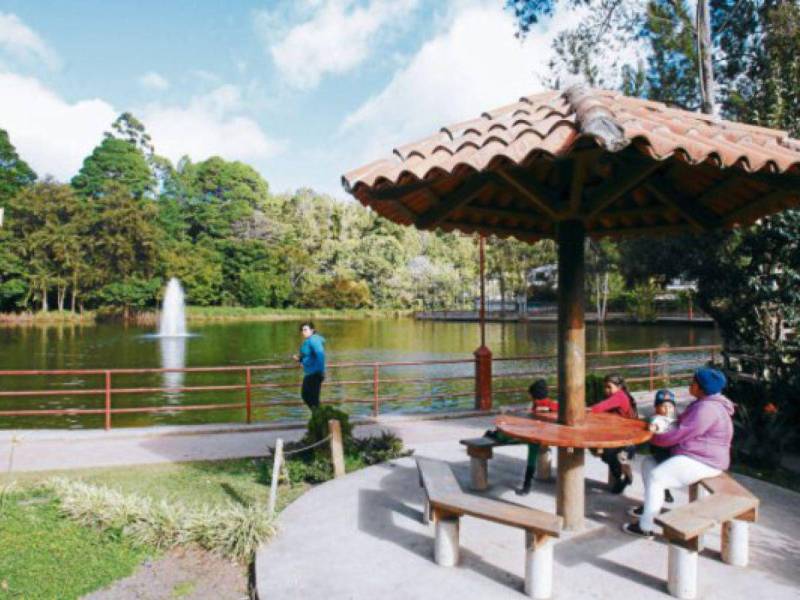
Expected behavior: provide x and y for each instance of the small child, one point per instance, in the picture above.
(664, 419)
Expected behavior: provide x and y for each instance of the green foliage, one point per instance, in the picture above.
(641, 302)
(340, 293)
(44, 556)
(15, 173)
(317, 428)
(379, 448)
(118, 161)
(595, 390)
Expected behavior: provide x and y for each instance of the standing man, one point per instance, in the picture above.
(312, 357)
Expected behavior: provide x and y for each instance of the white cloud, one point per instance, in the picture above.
(54, 135)
(21, 42)
(154, 81)
(208, 125)
(51, 134)
(474, 64)
(335, 36)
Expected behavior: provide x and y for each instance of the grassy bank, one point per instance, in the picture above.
(200, 314)
(52, 317)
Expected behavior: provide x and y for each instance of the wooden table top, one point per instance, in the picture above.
(599, 430)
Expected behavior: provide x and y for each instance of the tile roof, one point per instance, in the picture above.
(555, 126)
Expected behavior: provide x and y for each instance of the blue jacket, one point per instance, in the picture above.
(312, 354)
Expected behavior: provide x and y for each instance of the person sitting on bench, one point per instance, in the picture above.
(700, 446)
(540, 402)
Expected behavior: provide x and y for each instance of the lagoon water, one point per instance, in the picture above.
(257, 343)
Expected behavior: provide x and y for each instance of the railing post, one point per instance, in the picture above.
(652, 371)
(248, 395)
(108, 401)
(376, 402)
(483, 378)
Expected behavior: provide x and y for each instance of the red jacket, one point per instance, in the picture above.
(544, 405)
(618, 403)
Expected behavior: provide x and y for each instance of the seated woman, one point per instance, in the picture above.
(619, 401)
(700, 447)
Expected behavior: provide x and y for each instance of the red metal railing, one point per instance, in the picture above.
(655, 365)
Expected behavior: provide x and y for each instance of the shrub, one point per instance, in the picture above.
(594, 388)
(318, 424)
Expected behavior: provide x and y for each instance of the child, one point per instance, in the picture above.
(664, 419)
(619, 401)
(539, 403)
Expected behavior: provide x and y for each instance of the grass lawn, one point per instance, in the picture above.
(44, 556)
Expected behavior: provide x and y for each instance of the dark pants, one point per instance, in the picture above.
(312, 385)
(659, 453)
(610, 456)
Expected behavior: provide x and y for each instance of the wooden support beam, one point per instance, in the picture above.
(580, 170)
(399, 191)
(530, 190)
(659, 230)
(520, 234)
(633, 213)
(771, 203)
(597, 199)
(397, 205)
(503, 213)
(451, 202)
(693, 210)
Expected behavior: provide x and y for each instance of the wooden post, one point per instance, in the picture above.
(483, 356)
(337, 449)
(570, 497)
(652, 371)
(276, 470)
(108, 401)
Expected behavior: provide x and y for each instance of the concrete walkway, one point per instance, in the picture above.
(361, 537)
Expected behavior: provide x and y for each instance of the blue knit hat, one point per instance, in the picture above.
(711, 381)
(664, 396)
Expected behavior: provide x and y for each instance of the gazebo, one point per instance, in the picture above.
(578, 163)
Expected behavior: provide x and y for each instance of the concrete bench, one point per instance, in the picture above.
(445, 503)
(480, 452)
(730, 505)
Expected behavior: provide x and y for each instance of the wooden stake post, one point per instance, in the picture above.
(570, 497)
(276, 473)
(337, 448)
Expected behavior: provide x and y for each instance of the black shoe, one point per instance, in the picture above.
(634, 529)
(639, 511)
(526, 482)
(668, 497)
(620, 484)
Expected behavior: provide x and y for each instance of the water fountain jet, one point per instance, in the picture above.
(173, 311)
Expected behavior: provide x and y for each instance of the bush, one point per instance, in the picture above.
(594, 388)
(318, 424)
(340, 293)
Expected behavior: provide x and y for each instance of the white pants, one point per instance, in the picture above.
(678, 471)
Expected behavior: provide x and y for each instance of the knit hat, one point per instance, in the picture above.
(538, 389)
(711, 381)
(664, 396)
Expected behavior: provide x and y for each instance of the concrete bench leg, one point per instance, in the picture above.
(538, 565)
(682, 572)
(426, 511)
(735, 541)
(445, 551)
(479, 473)
(544, 464)
(698, 492)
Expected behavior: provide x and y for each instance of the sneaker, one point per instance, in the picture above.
(634, 529)
(637, 511)
(668, 497)
(620, 484)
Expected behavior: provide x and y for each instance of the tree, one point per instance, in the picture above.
(14, 172)
(114, 161)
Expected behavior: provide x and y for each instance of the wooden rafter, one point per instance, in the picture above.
(693, 210)
(397, 205)
(597, 199)
(530, 190)
(501, 213)
(451, 202)
(400, 191)
(580, 171)
(641, 231)
(521, 234)
(631, 213)
(772, 202)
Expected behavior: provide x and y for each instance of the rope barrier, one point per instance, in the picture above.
(314, 445)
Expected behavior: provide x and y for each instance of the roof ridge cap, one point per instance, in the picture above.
(594, 118)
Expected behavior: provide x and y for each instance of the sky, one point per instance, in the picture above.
(303, 90)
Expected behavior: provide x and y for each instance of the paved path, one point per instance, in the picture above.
(46, 450)
(361, 537)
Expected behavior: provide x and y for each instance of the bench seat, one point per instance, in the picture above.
(447, 504)
(480, 451)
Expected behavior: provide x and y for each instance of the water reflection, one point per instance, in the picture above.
(173, 356)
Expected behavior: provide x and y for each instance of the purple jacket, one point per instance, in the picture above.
(704, 432)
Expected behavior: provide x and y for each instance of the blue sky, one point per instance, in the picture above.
(303, 90)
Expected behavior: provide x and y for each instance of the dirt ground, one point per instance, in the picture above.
(188, 574)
